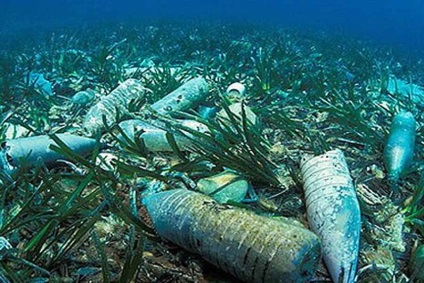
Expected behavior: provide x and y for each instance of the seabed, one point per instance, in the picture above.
(81, 220)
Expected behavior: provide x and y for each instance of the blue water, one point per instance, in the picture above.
(391, 22)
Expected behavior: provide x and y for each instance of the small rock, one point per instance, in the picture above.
(83, 97)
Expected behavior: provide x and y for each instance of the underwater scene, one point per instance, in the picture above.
(180, 141)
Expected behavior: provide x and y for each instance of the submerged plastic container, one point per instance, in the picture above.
(236, 92)
(155, 139)
(253, 248)
(333, 212)
(25, 152)
(109, 106)
(400, 145)
(186, 97)
(40, 83)
(237, 110)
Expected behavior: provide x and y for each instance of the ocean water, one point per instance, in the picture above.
(391, 22)
(211, 141)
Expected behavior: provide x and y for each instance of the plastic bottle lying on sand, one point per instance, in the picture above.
(25, 152)
(117, 101)
(253, 248)
(155, 139)
(333, 212)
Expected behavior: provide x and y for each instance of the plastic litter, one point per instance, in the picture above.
(400, 146)
(187, 96)
(25, 152)
(333, 212)
(253, 248)
(110, 106)
(155, 139)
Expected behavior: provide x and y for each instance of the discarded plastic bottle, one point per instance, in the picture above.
(236, 92)
(400, 145)
(333, 212)
(251, 247)
(183, 98)
(155, 139)
(40, 83)
(109, 106)
(24, 152)
(237, 110)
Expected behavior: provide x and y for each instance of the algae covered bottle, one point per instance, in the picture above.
(251, 247)
(400, 145)
(112, 105)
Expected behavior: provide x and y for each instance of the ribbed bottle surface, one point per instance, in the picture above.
(251, 247)
(333, 211)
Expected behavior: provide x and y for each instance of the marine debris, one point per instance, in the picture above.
(183, 98)
(39, 83)
(236, 92)
(333, 212)
(111, 106)
(157, 139)
(400, 87)
(253, 248)
(400, 146)
(238, 109)
(27, 152)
